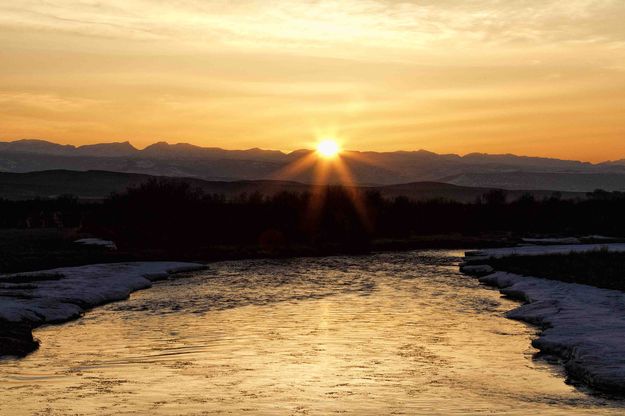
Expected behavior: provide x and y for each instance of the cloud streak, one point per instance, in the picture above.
(366, 23)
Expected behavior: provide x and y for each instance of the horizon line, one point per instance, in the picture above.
(286, 153)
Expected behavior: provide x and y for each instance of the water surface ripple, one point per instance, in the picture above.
(392, 333)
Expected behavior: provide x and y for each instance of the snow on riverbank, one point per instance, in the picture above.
(485, 254)
(584, 325)
(562, 240)
(58, 295)
(97, 242)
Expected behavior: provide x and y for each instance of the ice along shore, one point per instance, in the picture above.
(583, 325)
(32, 299)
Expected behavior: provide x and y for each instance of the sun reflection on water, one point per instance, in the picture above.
(390, 333)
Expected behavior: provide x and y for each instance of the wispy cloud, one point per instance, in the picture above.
(319, 23)
(390, 73)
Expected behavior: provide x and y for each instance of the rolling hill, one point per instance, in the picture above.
(99, 184)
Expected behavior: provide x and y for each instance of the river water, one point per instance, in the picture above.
(392, 333)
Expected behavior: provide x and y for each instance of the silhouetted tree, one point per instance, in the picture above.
(171, 215)
(495, 197)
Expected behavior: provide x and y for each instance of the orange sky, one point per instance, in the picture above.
(528, 77)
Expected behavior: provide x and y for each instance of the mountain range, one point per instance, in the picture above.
(367, 168)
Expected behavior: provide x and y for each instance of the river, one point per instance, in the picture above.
(391, 333)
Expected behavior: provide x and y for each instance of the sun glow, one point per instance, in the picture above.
(328, 148)
(327, 165)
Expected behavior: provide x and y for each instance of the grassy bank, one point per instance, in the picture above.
(47, 248)
(602, 268)
(24, 250)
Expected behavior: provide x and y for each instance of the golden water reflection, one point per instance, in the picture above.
(384, 334)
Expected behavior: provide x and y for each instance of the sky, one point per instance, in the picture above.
(533, 77)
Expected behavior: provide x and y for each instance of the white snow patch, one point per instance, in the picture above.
(562, 240)
(78, 289)
(600, 237)
(97, 242)
(541, 250)
(584, 325)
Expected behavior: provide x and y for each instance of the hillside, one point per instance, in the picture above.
(99, 184)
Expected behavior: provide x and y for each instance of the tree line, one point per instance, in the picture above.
(172, 214)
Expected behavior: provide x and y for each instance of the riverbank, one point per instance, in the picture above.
(29, 300)
(23, 250)
(582, 325)
(600, 268)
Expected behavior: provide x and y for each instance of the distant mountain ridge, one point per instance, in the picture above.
(126, 149)
(368, 168)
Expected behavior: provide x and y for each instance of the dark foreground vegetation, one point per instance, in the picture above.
(600, 268)
(48, 248)
(171, 219)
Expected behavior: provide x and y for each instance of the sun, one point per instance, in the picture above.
(328, 148)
